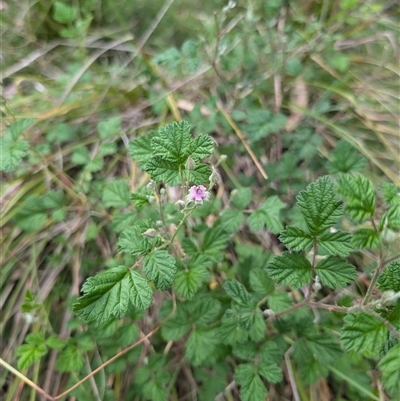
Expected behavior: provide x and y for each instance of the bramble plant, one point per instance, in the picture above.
(241, 315)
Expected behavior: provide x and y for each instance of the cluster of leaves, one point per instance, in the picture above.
(215, 323)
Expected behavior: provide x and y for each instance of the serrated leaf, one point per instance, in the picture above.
(55, 343)
(237, 292)
(290, 268)
(260, 282)
(16, 129)
(96, 164)
(267, 215)
(279, 301)
(389, 365)
(156, 389)
(121, 221)
(188, 281)
(336, 243)
(172, 143)
(33, 349)
(214, 242)
(363, 333)
(140, 148)
(296, 239)
(391, 193)
(201, 146)
(81, 156)
(272, 372)
(108, 294)
(109, 127)
(140, 200)
(32, 216)
(320, 205)
(116, 194)
(132, 241)
(199, 175)
(107, 148)
(178, 325)
(390, 278)
(61, 133)
(335, 272)
(240, 198)
(231, 220)
(390, 219)
(200, 345)
(360, 195)
(11, 153)
(64, 13)
(365, 238)
(163, 170)
(54, 200)
(345, 159)
(160, 267)
(203, 310)
(251, 386)
(70, 359)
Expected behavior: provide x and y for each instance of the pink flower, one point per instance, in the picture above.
(197, 193)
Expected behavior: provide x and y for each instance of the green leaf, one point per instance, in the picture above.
(345, 159)
(109, 127)
(178, 325)
(293, 67)
(365, 238)
(391, 219)
(237, 292)
(122, 221)
(214, 242)
(363, 333)
(290, 268)
(389, 365)
(335, 272)
(116, 194)
(133, 242)
(163, 170)
(279, 301)
(199, 175)
(54, 200)
(139, 200)
(260, 282)
(240, 198)
(55, 343)
(17, 128)
(262, 123)
(320, 205)
(33, 349)
(267, 215)
(188, 281)
(64, 13)
(390, 278)
(95, 164)
(336, 243)
(160, 267)
(201, 146)
(32, 216)
(296, 239)
(391, 193)
(156, 389)
(107, 148)
(200, 345)
(172, 142)
(11, 153)
(70, 359)
(203, 310)
(360, 195)
(108, 294)
(140, 148)
(231, 220)
(81, 156)
(271, 371)
(61, 133)
(251, 386)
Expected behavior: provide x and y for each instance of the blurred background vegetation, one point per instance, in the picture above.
(290, 79)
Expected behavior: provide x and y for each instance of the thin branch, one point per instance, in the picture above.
(292, 380)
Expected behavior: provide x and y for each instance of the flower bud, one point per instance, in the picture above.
(179, 205)
(190, 164)
(150, 233)
(214, 177)
(151, 186)
(150, 198)
(163, 191)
